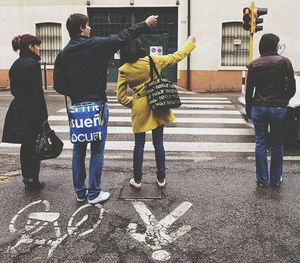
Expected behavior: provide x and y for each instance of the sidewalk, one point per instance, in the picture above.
(9, 164)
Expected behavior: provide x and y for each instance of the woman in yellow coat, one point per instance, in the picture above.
(134, 73)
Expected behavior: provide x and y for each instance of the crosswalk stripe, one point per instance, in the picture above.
(172, 130)
(177, 120)
(181, 97)
(189, 101)
(178, 111)
(189, 106)
(221, 110)
(184, 105)
(190, 98)
(169, 146)
(285, 158)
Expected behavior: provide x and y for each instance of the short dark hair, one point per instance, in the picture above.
(75, 23)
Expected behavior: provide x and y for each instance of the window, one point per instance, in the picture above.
(50, 35)
(235, 44)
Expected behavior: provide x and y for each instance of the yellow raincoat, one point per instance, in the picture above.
(135, 75)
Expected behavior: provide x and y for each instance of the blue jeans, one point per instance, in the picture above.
(262, 117)
(96, 163)
(138, 154)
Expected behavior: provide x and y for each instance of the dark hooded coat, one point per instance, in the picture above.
(266, 77)
(27, 110)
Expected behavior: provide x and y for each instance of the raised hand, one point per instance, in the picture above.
(151, 21)
(192, 38)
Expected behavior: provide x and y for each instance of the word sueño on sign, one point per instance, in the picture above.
(85, 122)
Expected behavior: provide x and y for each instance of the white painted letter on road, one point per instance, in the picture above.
(156, 231)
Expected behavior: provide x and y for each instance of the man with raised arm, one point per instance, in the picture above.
(80, 72)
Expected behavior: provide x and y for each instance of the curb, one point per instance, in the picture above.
(4, 89)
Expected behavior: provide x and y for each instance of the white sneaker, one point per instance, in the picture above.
(134, 184)
(103, 196)
(161, 185)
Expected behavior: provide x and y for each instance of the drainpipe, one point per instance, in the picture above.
(45, 76)
(188, 73)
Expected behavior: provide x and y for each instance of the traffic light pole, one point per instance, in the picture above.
(252, 31)
(250, 48)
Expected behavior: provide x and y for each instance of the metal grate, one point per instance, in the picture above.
(107, 21)
(235, 44)
(51, 37)
(147, 191)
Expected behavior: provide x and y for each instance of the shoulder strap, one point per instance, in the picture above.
(153, 67)
(66, 101)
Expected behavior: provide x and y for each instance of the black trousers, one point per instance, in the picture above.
(30, 164)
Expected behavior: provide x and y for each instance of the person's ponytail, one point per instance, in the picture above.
(16, 43)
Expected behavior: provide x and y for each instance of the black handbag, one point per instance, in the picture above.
(48, 145)
(161, 93)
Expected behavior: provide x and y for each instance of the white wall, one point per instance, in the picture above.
(25, 22)
(207, 18)
(20, 17)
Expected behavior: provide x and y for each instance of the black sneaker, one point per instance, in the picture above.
(260, 184)
(34, 186)
(81, 198)
(278, 183)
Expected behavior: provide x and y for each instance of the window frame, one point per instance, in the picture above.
(52, 52)
(231, 67)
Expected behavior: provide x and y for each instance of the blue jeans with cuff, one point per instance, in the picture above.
(263, 117)
(96, 163)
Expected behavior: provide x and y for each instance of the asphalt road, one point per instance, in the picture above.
(210, 211)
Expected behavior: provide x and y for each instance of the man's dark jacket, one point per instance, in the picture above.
(27, 110)
(266, 75)
(80, 70)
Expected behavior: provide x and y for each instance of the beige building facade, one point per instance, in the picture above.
(222, 45)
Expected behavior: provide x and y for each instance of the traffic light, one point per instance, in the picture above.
(255, 19)
(247, 18)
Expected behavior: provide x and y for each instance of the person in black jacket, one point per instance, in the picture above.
(80, 72)
(27, 111)
(272, 78)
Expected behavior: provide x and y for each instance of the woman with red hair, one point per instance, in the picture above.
(27, 111)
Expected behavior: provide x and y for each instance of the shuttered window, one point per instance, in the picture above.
(235, 44)
(51, 37)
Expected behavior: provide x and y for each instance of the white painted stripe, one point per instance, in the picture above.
(172, 130)
(187, 100)
(187, 106)
(112, 101)
(199, 106)
(285, 158)
(178, 111)
(190, 97)
(126, 155)
(169, 146)
(177, 120)
(181, 97)
(187, 103)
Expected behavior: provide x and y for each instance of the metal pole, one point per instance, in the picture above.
(45, 76)
(250, 48)
(252, 30)
(188, 75)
